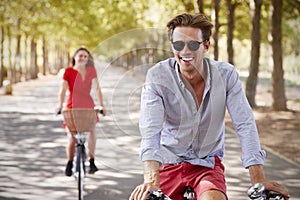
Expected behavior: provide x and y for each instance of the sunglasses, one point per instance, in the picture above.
(192, 45)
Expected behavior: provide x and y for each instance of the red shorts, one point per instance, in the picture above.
(174, 179)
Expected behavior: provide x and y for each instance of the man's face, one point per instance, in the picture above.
(189, 56)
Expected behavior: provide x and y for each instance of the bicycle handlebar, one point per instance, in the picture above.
(96, 108)
(99, 109)
(157, 195)
(58, 111)
(257, 192)
(189, 194)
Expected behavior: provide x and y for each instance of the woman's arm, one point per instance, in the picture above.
(99, 94)
(61, 94)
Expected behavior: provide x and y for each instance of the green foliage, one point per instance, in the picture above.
(90, 23)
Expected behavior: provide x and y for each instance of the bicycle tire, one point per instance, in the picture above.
(80, 170)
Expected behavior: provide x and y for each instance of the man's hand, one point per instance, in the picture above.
(151, 181)
(141, 192)
(257, 176)
(276, 187)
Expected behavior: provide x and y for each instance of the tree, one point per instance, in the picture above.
(251, 82)
(1, 55)
(230, 19)
(33, 60)
(278, 90)
(215, 16)
(17, 63)
(200, 5)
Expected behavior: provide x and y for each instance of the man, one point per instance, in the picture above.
(182, 119)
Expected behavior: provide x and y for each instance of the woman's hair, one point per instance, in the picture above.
(198, 20)
(90, 59)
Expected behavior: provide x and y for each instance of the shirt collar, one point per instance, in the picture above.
(179, 75)
(206, 72)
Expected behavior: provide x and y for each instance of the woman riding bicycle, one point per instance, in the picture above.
(78, 80)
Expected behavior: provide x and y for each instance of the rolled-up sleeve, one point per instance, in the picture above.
(243, 120)
(151, 122)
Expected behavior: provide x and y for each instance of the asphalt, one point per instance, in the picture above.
(32, 145)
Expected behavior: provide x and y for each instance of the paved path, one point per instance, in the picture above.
(32, 145)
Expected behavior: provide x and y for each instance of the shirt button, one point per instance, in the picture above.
(192, 151)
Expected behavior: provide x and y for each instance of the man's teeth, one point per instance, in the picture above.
(187, 59)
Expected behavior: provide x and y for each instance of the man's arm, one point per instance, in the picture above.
(151, 181)
(256, 174)
(151, 174)
(244, 122)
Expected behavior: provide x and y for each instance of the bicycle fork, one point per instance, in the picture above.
(79, 160)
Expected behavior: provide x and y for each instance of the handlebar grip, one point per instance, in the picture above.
(58, 111)
(157, 195)
(100, 109)
(257, 191)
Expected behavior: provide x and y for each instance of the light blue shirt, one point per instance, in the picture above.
(175, 129)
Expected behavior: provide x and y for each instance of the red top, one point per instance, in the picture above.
(79, 96)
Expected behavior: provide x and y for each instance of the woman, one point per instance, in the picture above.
(78, 79)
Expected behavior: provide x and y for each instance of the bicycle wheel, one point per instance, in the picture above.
(80, 170)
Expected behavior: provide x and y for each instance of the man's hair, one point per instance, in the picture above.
(198, 20)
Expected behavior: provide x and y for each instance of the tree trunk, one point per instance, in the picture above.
(17, 65)
(230, 19)
(217, 26)
(33, 60)
(17, 57)
(10, 68)
(278, 92)
(200, 5)
(1, 56)
(251, 82)
(45, 57)
(26, 60)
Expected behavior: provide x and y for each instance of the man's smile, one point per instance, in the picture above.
(186, 59)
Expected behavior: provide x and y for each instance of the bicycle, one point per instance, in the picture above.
(257, 191)
(80, 122)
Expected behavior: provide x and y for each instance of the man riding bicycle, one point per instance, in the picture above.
(182, 120)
